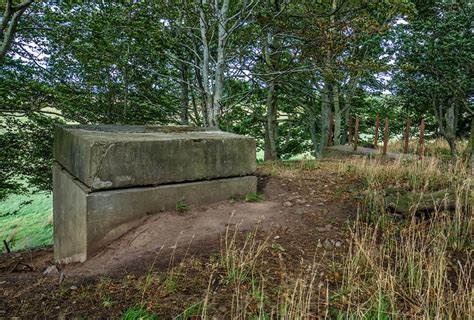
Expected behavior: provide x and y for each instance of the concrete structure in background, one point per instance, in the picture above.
(107, 177)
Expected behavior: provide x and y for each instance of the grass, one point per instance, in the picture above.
(138, 313)
(26, 221)
(289, 168)
(254, 197)
(182, 206)
(438, 148)
(415, 267)
(407, 266)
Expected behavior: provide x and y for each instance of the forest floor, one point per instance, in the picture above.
(283, 253)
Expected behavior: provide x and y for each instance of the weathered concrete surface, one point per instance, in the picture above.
(110, 157)
(85, 221)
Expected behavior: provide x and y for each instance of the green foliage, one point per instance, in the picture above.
(254, 197)
(141, 63)
(138, 313)
(182, 206)
(433, 75)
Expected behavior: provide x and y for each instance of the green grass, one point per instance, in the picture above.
(138, 313)
(26, 221)
(253, 197)
(182, 206)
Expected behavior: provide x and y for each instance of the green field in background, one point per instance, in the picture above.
(26, 221)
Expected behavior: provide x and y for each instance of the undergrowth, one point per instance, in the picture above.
(407, 266)
(414, 266)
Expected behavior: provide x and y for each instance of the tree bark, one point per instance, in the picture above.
(337, 115)
(271, 126)
(447, 123)
(8, 26)
(184, 94)
(314, 137)
(219, 72)
(451, 125)
(325, 114)
(470, 147)
(207, 105)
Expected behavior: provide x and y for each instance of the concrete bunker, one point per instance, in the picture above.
(105, 177)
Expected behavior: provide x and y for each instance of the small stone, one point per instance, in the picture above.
(299, 211)
(328, 245)
(276, 237)
(287, 204)
(73, 288)
(300, 201)
(338, 244)
(51, 270)
(328, 226)
(319, 245)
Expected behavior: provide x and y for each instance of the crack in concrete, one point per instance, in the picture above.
(95, 179)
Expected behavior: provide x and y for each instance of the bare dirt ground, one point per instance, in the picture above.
(305, 212)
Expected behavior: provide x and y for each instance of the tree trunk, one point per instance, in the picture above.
(344, 133)
(184, 116)
(451, 130)
(314, 138)
(208, 100)
(447, 123)
(219, 72)
(452, 147)
(325, 114)
(271, 126)
(470, 147)
(196, 118)
(337, 116)
(9, 22)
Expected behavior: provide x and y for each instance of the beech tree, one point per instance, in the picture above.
(9, 23)
(272, 69)
(435, 75)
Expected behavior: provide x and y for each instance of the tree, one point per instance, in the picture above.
(343, 41)
(434, 57)
(8, 26)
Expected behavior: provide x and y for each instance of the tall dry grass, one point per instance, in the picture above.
(433, 148)
(396, 267)
(411, 267)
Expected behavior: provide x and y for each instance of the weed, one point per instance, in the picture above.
(171, 283)
(182, 206)
(192, 311)
(240, 261)
(107, 301)
(254, 197)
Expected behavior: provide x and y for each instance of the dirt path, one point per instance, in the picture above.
(305, 211)
(171, 233)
